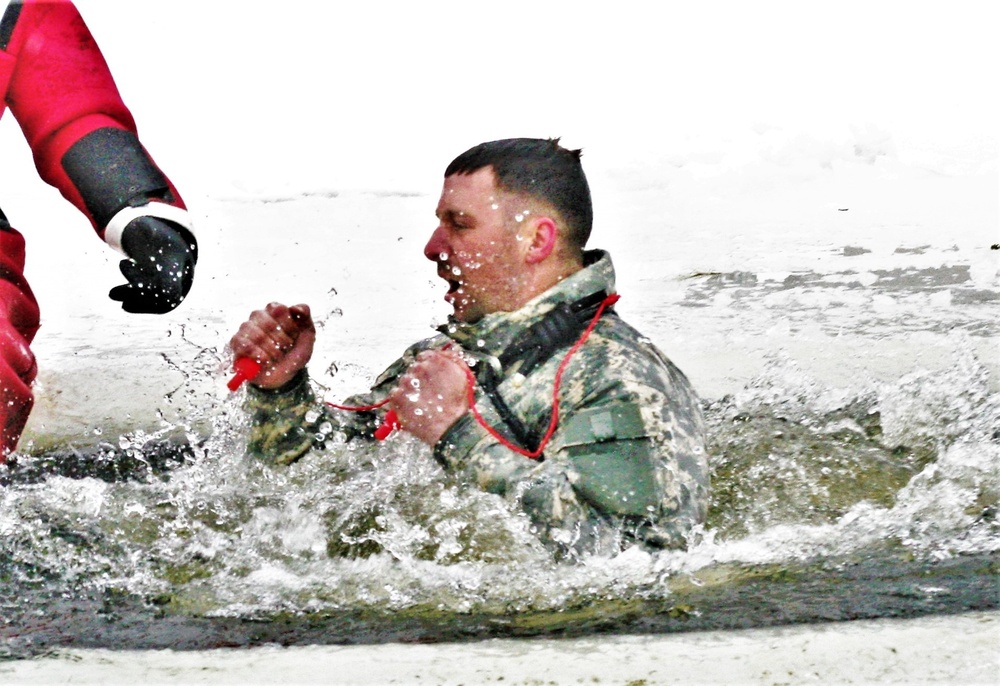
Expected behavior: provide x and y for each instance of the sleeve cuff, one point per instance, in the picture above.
(113, 231)
(282, 426)
(294, 384)
(456, 445)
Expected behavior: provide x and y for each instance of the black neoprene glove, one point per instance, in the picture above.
(161, 266)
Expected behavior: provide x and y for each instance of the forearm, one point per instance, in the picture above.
(81, 134)
(288, 422)
(466, 448)
(280, 430)
(543, 490)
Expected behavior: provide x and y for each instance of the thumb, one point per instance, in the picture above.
(306, 338)
(302, 315)
(302, 350)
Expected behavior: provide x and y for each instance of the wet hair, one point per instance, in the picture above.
(541, 169)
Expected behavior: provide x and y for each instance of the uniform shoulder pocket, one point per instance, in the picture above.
(610, 452)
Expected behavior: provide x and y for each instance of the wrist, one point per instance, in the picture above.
(301, 377)
(161, 210)
(454, 446)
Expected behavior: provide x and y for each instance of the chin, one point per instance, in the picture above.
(461, 311)
(465, 315)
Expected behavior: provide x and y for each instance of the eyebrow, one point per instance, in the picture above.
(451, 215)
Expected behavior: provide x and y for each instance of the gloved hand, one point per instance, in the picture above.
(161, 269)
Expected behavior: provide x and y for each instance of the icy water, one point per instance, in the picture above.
(841, 327)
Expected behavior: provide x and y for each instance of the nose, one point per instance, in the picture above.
(436, 245)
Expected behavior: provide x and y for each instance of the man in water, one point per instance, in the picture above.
(535, 390)
(57, 85)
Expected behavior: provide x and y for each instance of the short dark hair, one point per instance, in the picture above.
(539, 168)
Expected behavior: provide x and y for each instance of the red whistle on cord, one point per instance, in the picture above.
(246, 368)
(389, 424)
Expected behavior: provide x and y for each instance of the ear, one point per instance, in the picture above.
(543, 241)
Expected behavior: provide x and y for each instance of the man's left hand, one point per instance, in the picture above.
(161, 268)
(432, 395)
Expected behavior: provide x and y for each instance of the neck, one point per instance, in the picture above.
(548, 274)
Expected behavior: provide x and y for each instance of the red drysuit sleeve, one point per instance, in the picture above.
(61, 92)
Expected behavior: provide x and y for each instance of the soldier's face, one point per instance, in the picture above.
(478, 246)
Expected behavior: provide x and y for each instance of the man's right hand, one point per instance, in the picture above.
(281, 338)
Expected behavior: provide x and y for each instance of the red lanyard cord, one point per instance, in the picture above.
(361, 408)
(391, 422)
(554, 421)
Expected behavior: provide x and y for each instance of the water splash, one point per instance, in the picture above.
(801, 472)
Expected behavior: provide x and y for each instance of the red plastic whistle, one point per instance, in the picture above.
(389, 424)
(246, 369)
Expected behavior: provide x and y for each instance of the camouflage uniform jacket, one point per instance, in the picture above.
(627, 461)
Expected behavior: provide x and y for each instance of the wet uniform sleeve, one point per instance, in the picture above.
(614, 466)
(287, 423)
(82, 136)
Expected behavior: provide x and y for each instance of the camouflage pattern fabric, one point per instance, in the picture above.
(626, 464)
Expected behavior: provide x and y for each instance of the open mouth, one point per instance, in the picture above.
(447, 275)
